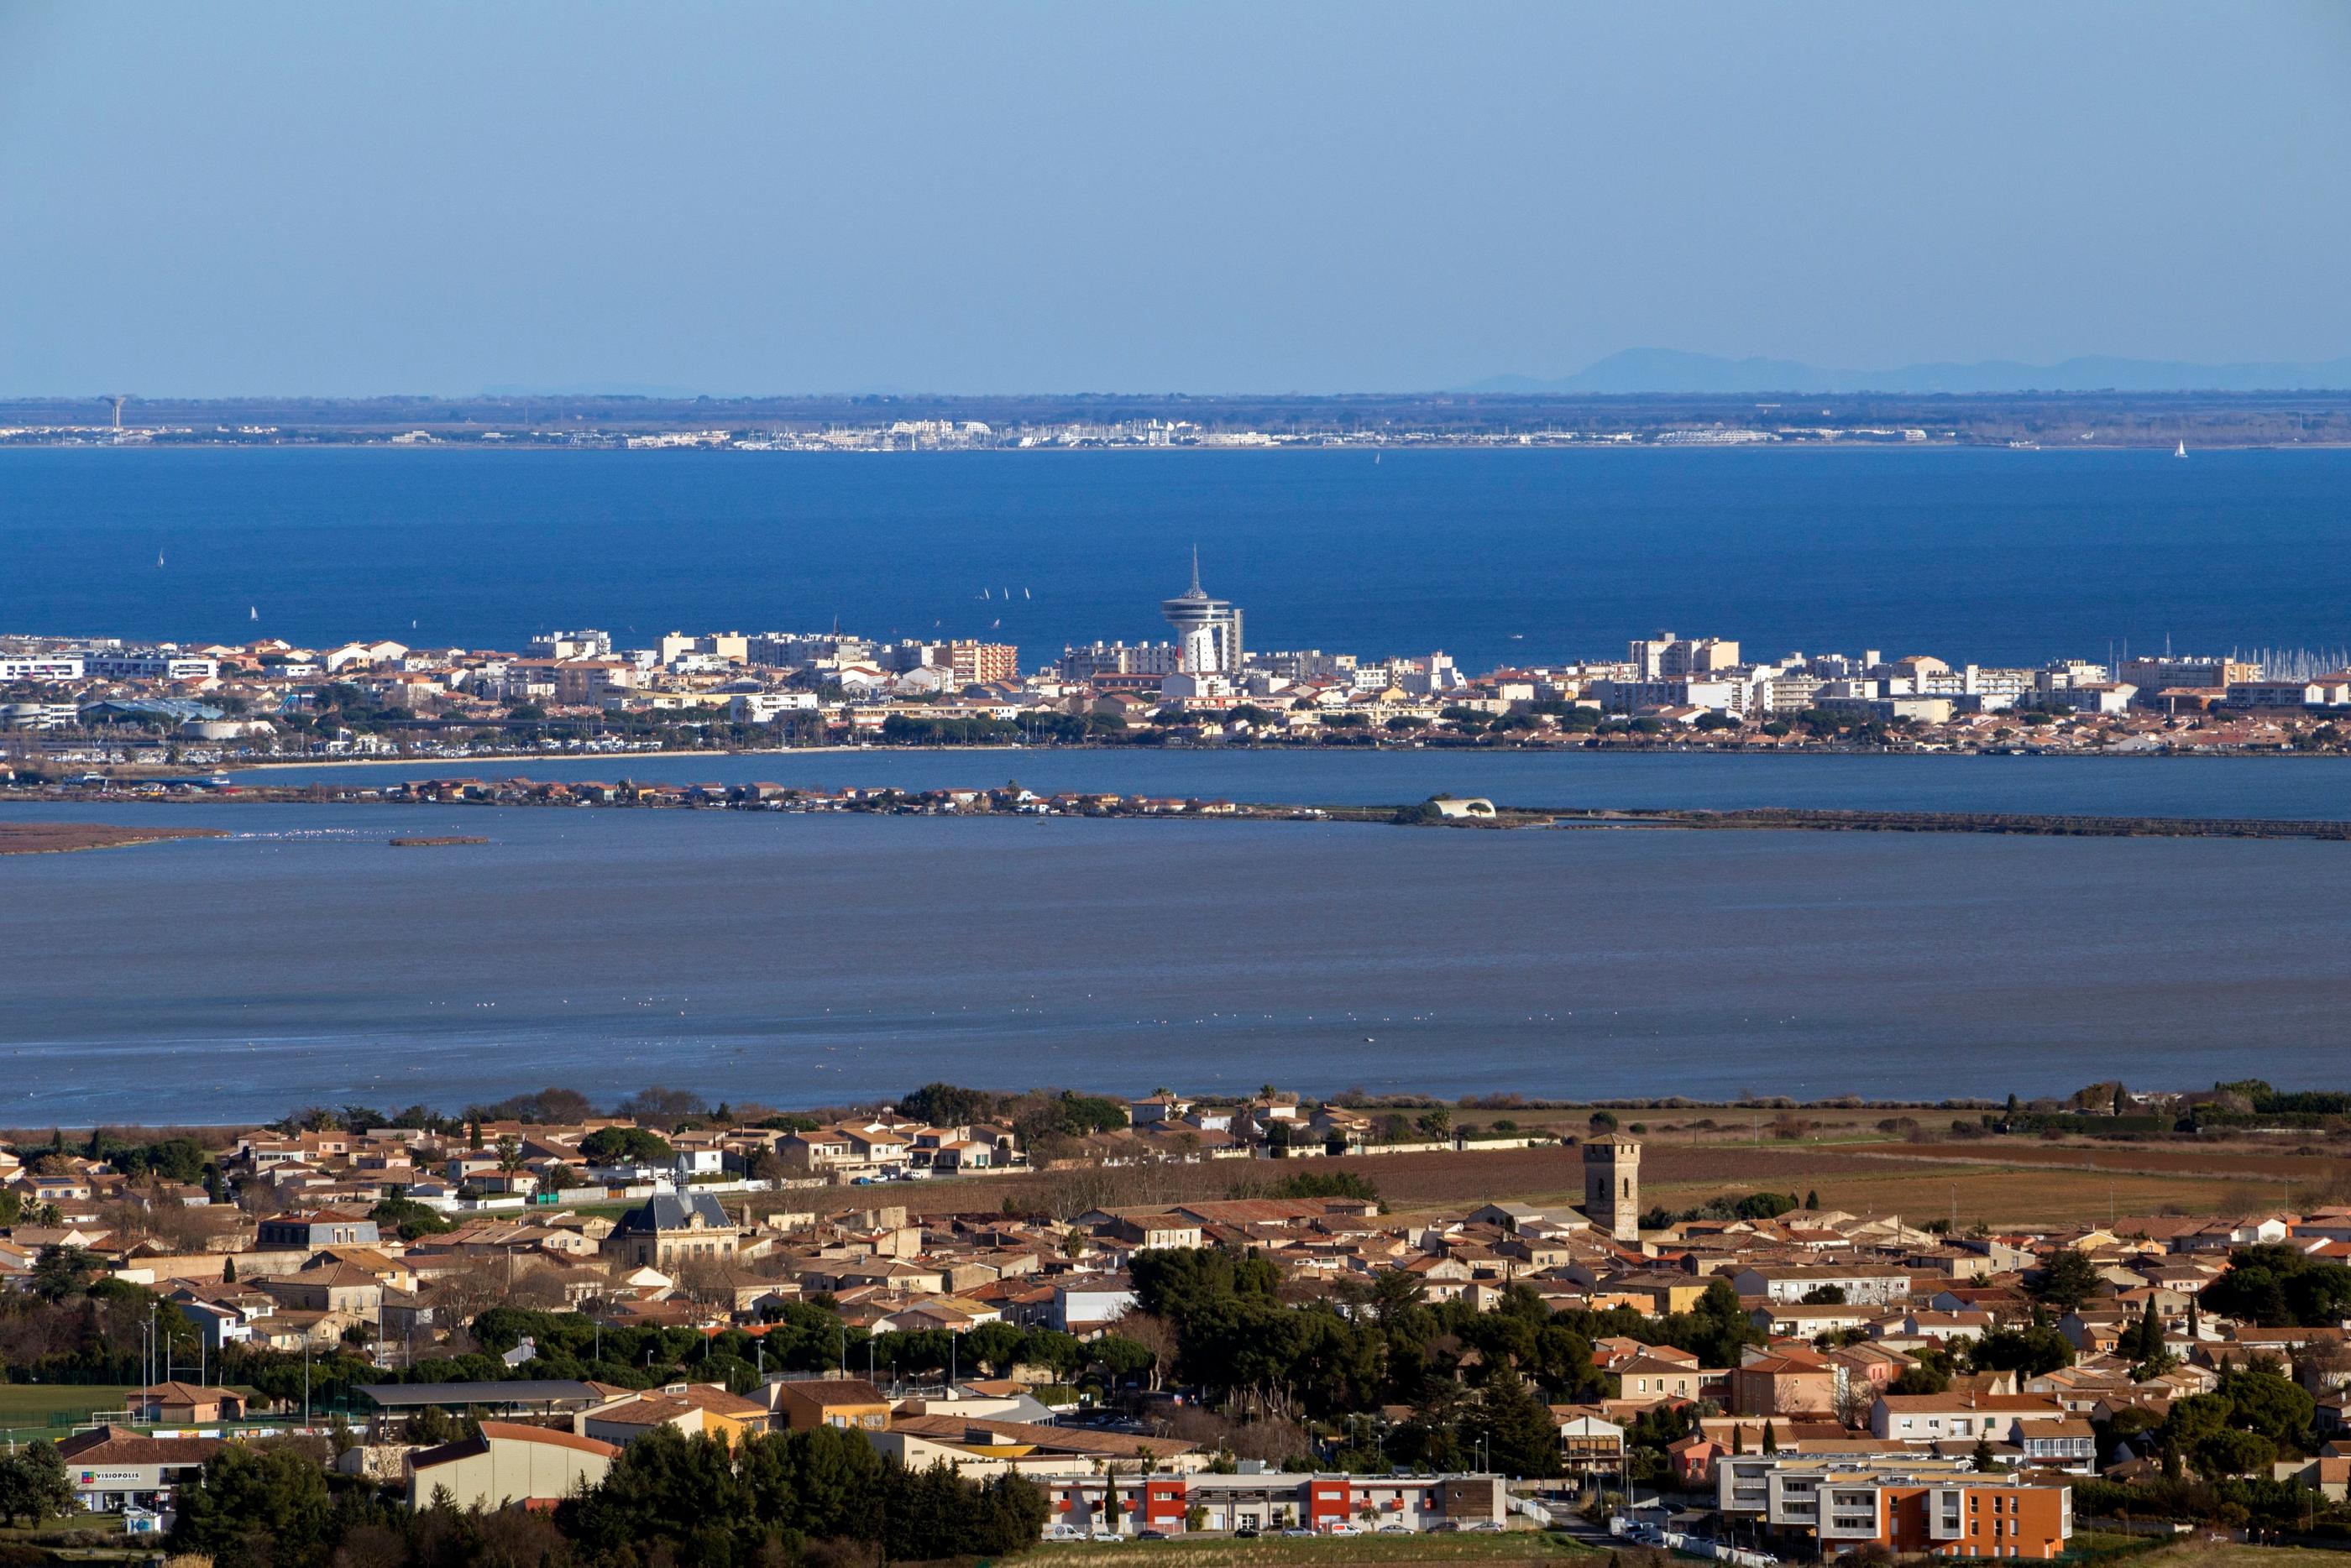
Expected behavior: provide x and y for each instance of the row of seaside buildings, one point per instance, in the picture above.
(1802, 1439)
(847, 687)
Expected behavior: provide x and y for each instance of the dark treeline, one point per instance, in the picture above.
(820, 1497)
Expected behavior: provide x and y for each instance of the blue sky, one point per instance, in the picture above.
(1189, 197)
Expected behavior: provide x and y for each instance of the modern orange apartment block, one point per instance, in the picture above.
(1990, 1518)
(1908, 1505)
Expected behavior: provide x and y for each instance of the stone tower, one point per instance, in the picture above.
(1612, 1185)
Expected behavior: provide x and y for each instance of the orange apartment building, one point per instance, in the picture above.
(1925, 1507)
(982, 663)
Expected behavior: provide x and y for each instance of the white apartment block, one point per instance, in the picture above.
(40, 667)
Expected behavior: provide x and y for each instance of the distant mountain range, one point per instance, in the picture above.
(1670, 371)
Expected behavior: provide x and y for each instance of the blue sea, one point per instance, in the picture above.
(1493, 555)
(814, 959)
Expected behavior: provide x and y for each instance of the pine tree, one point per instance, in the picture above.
(1771, 1438)
(228, 1270)
(1522, 1438)
(1812, 1199)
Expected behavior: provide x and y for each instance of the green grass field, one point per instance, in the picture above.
(27, 1408)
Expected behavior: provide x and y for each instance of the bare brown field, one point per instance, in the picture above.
(2228, 1159)
(2020, 1186)
(1407, 1182)
(2232, 1554)
(1555, 1174)
(57, 837)
(1998, 1196)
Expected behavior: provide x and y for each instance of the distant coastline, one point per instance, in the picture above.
(1505, 414)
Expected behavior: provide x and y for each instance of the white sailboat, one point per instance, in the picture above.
(2181, 450)
(253, 612)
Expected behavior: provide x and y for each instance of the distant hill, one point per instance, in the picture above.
(1671, 371)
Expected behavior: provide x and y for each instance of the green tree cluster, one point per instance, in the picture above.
(1324, 1184)
(2066, 1280)
(2278, 1286)
(626, 1146)
(32, 1484)
(668, 1500)
(708, 1506)
(410, 1217)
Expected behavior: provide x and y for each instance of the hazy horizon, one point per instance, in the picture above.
(727, 199)
(1637, 372)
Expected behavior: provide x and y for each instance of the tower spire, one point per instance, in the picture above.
(1195, 567)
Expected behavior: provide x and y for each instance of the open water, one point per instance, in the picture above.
(805, 960)
(811, 960)
(1495, 555)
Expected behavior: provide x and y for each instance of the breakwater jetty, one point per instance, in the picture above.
(2038, 824)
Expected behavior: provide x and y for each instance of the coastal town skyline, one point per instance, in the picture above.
(807, 686)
